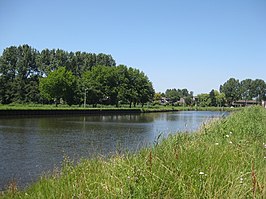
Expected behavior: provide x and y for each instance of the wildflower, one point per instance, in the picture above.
(241, 180)
(227, 136)
(230, 133)
(216, 143)
(264, 145)
(264, 157)
(230, 142)
(201, 173)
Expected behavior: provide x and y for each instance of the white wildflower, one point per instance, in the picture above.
(216, 143)
(241, 180)
(230, 133)
(227, 136)
(230, 142)
(201, 173)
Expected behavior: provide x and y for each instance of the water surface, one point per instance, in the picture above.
(31, 146)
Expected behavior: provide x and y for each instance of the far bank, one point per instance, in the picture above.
(28, 110)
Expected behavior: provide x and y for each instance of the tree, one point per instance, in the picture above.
(259, 87)
(18, 69)
(220, 98)
(59, 84)
(157, 96)
(109, 85)
(213, 98)
(173, 95)
(7, 73)
(104, 60)
(145, 91)
(246, 89)
(176, 94)
(189, 99)
(204, 100)
(231, 89)
(27, 75)
(216, 98)
(101, 84)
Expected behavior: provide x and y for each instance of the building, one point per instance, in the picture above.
(242, 103)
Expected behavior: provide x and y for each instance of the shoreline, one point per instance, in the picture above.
(57, 111)
(64, 112)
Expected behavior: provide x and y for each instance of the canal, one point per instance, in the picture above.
(32, 146)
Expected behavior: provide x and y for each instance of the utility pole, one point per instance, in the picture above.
(85, 97)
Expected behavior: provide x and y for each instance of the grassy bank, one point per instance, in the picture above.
(225, 159)
(109, 107)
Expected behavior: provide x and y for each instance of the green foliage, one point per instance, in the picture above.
(231, 89)
(259, 87)
(247, 89)
(18, 71)
(204, 100)
(59, 84)
(22, 67)
(110, 85)
(157, 96)
(216, 98)
(225, 159)
(174, 95)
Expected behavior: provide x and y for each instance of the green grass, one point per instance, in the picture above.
(147, 108)
(225, 159)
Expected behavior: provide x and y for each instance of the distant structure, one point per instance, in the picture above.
(165, 101)
(243, 103)
(263, 103)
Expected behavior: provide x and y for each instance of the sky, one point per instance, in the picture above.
(193, 44)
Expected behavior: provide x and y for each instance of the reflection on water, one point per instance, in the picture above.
(31, 146)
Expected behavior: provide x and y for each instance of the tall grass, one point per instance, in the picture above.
(225, 159)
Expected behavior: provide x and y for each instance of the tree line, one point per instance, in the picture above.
(246, 89)
(229, 92)
(30, 76)
(233, 90)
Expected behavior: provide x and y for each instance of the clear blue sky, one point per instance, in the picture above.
(193, 44)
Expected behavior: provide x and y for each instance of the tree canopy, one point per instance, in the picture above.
(247, 89)
(47, 76)
(112, 85)
(59, 84)
(175, 95)
(27, 75)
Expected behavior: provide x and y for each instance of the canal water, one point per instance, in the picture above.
(32, 146)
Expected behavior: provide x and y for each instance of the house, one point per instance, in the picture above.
(164, 100)
(242, 103)
(181, 101)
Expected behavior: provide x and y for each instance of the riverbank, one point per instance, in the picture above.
(225, 159)
(28, 110)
